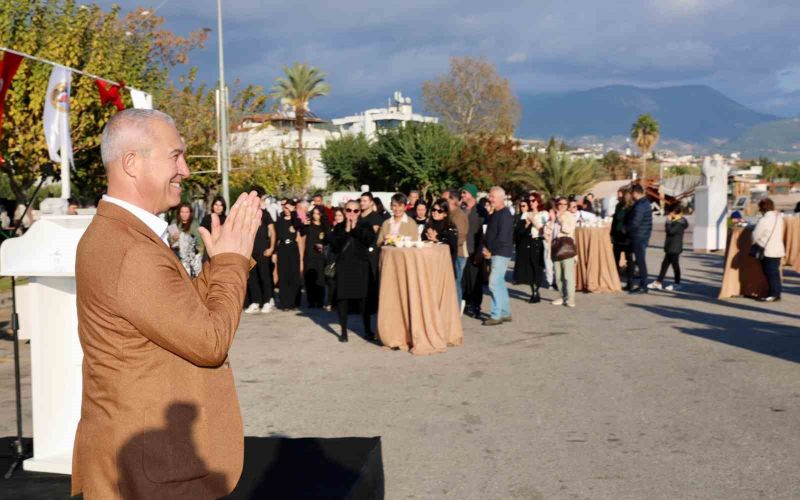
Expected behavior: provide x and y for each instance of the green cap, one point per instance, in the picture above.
(471, 189)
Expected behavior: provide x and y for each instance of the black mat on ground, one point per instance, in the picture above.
(280, 468)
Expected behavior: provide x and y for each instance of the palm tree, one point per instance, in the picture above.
(300, 84)
(645, 133)
(559, 175)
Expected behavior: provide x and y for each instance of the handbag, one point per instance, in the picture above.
(756, 250)
(563, 249)
(329, 271)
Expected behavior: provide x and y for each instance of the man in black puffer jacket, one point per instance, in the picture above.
(640, 228)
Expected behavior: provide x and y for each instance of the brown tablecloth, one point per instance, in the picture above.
(595, 269)
(791, 240)
(417, 309)
(742, 275)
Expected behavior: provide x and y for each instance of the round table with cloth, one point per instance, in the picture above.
(418, 308)
(742, 275)
(595, 269)
(791, 240)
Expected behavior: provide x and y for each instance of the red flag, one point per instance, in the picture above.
(110, 94)
(8, 68)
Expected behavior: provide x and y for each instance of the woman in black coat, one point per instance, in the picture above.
(218, 207)
(314, 258)
(351, 241)
(619, 235)
(440, 229)
(529, 263)
(331, 256)
(288, 230)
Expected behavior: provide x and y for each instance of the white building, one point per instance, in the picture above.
(372, 120)
(276, 131)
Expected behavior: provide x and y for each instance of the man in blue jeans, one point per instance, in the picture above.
(640, 227)
(499, 247)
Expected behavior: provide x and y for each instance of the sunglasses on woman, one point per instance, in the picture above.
(438, 211)
(352, 210)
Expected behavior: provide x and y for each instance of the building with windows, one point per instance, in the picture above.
(371, 121)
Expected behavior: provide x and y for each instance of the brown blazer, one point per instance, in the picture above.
(159, 415)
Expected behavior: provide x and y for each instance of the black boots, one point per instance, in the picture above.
(343, 337)
(535, 297)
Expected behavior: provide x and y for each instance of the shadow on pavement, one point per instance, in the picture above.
(780, 341)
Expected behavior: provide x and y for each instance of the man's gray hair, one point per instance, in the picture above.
(498, 189)
(114, 141)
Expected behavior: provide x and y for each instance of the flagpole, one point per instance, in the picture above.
(66, 184)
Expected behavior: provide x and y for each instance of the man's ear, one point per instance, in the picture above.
(129, 165)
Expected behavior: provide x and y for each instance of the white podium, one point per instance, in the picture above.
(711, 207)
(49, 318)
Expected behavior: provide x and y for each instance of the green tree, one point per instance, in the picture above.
(135, 49)
(416, 156)
(560, 175)
(615, 166)
(300, 84)
(645, 133)
(349, 162)
(277, 173)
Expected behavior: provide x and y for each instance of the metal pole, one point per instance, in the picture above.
(66, 184)
(223, 132)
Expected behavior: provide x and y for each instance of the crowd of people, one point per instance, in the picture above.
(332, 252)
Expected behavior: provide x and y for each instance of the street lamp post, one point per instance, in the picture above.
(223, 112)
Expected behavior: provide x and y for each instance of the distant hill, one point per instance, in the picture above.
(694, 114)
(778, 140)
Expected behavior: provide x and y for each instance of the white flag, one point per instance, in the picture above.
(141, 100)
(56, 114)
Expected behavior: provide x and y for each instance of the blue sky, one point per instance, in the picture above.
(748, 49)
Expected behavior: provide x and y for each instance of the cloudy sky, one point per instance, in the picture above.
(748, 49)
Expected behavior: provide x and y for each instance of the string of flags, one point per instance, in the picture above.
(56, 103)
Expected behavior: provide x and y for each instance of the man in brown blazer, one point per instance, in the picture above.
(159, 414)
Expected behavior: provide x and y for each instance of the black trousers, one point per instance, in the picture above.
(640, 251)
(772, 270)
(620, 250)
(260, 288)
(472, 284)
(363, 309)
(672, 259)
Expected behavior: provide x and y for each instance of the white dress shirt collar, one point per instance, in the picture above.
(155, 223)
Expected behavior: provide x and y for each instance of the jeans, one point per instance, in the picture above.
(674, 259)
(501, 304)
(772, 270)
(640, 251)
(461, 262)
(565, 278)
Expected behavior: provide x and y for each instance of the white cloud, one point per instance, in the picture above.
(517, 57)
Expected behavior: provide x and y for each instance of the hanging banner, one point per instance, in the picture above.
(109, 94)
(56, 114)
(141, 100)
(8, 68)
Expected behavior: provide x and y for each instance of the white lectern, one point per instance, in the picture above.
(48, 317)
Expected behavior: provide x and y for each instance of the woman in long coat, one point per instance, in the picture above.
(351, 241)
(314, 258)
(288, 231)
(529, 267)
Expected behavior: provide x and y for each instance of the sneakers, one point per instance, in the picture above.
(506, 319)
(492, 322)
(770, 299)
(570, 304)
(268, 307)
(673, 287)
(558, 302)
(252, 309)
(655, 285)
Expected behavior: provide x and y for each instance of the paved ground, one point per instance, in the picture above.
(667, 396)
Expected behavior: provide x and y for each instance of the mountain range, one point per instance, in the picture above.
(696, 118)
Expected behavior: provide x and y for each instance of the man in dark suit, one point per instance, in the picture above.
(640, 227)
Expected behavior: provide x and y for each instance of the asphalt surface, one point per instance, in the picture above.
(664, 396)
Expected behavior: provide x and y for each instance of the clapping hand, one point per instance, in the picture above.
(239, 231)
(431, 234)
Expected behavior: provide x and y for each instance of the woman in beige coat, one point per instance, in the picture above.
(769, 235)
(399, 224)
